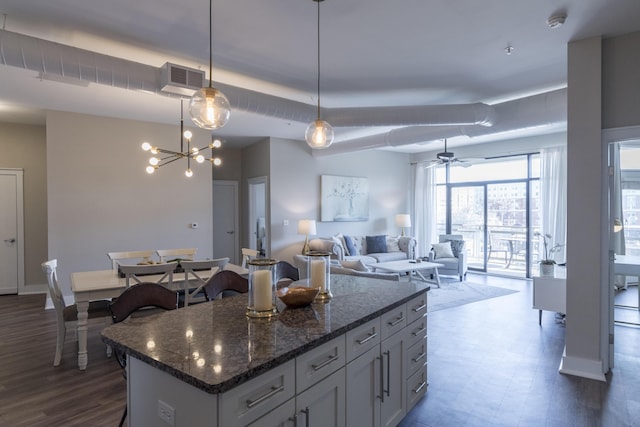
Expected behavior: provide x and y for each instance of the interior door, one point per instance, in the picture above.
(225, 220)
(11, 261)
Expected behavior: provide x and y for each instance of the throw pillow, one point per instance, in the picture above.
(376, 244)
(351, 246)
(392, 244)
(457, 246)
(343, 243)
(357, 265)
(443, 250)
(339, 243)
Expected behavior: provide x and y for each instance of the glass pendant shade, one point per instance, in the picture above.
(209, 108)
(319, 134)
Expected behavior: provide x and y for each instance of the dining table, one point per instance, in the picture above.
(107, 284)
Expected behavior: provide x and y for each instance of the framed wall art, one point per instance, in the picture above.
(344, 198)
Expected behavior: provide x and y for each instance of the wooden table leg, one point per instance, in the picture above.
(83, 307)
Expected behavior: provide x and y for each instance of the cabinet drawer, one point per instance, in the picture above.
(416, 331)
(416, 387)
(417, 308)
(243, 404)
(318, 363)
(416, 356)
(393, 321)
(363, 338)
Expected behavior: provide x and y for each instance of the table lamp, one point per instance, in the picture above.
(403, 221)
(306, 227)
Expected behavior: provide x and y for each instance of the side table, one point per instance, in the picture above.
(549, 293)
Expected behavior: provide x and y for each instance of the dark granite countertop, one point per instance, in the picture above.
(215, 347)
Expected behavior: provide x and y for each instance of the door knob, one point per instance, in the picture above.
(9, 240)
(230, 232)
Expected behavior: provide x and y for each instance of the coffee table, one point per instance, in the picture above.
(410, 267)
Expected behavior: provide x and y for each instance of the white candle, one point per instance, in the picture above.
(318, 274)
(262, 294)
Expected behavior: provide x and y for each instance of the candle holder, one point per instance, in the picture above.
(262, 288)
(318, 270)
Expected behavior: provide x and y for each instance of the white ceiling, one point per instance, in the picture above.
(374, 53)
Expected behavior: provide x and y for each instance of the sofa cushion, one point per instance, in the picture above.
(366, 259)
(442, 250)
(457, 246)
(376, 244)
(389, 256)
(351, 247)
(356, 264)
(392, 244)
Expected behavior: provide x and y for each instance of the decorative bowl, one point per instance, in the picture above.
(297, 296)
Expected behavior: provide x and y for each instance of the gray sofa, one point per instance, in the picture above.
(396, 248)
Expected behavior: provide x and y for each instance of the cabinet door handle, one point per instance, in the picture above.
(294, 420)
(305, 411)
(388, 390)
(325, 363)
(397, 321)
(274, 390)
(420, 387)
(371, 336)
(420, 308)
(419, 331)
(419, 357)
(381, 397)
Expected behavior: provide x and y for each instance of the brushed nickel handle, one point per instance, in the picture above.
(420, 387)
(274, 390)
(419, 331)
(420, 308)
(325, 363)
(398, 320)
(419, 357)
(371, 336)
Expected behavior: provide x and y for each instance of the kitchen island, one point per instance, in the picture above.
(359, 358)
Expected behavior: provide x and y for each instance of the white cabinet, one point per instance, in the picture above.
(549, 293)
(379, 375)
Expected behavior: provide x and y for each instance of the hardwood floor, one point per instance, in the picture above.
(490, 364)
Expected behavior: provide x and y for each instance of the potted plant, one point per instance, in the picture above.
(547, 264)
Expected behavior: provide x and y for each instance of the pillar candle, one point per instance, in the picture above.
(318, 274)
(262, 293)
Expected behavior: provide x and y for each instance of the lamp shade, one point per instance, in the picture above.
(403, 220)
(307, 226)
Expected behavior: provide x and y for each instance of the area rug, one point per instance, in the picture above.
(455, 293)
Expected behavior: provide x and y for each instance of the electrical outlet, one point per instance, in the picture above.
(166, 413)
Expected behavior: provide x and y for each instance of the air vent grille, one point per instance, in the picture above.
(180, 80)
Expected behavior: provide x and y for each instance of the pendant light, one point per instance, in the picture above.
(209, 108)
(319, 133)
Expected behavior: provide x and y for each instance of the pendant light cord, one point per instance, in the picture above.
(318, 1)
(210, 43)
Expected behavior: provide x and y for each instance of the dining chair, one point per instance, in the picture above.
(67, 315)
(286, 273)
(181, 254)
(136, 299)
(136, 274)
(116, 257)
(193, 276)
(225, 283)
(247, 255)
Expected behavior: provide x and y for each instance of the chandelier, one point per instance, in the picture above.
(209, 108)
(319, 133)
(189, 154)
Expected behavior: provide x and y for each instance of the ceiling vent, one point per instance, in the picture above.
(180, 80)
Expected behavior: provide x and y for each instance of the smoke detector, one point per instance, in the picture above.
(555, 21)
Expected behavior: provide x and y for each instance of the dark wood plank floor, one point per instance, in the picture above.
(490, 364)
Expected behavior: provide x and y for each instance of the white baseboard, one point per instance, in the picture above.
(579, 367)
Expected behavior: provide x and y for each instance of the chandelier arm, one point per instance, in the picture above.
(170, 161)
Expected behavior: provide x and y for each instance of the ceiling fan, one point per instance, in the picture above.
(447, 158)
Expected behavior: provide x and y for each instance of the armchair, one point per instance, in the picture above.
(455, 261)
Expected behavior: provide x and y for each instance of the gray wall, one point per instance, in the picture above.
(295, 192)
(100, 198)
(24, 147)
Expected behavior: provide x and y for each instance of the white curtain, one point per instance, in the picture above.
(424, 207)
(553, 198)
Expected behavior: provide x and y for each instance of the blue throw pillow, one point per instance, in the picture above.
(351, 247)
(376, 244)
